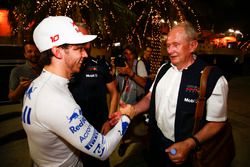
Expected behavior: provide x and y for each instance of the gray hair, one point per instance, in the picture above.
(189, 29)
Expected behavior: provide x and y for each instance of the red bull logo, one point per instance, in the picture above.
(75, 115)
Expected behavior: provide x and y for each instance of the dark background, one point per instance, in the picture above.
(223, 14)
(218, 14)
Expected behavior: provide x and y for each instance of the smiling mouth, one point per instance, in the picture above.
(171, 57)
(81, 61)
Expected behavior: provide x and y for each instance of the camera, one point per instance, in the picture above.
(120, 59)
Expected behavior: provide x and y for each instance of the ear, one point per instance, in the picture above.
(193, 45)
(56, 52)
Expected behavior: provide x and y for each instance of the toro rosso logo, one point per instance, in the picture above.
(124, 128)
(76, 113)
(77, 119)
(29, 91)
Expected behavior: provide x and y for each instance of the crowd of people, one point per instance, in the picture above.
(68, 119)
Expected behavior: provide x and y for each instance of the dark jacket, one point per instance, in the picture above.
(185, 110)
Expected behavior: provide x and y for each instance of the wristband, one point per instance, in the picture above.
(131, 113)
(127, 116)
(197, 143)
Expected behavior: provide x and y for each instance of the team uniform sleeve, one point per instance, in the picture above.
(217, 102)
(73, 127)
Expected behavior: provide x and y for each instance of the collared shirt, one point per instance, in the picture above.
(166, 101)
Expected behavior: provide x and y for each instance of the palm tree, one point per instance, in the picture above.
(103, 16)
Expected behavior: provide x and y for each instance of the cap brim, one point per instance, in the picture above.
(82, 39)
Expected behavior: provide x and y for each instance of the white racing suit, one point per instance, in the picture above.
(56, 128)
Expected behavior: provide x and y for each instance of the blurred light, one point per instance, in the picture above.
(4, 23)
(162, 21)
(117, 44)
(235, 33)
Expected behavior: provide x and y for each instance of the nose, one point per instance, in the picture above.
(35, 53)
(170, 49)
(84, 53)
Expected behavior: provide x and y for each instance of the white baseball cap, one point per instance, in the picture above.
(58, 30)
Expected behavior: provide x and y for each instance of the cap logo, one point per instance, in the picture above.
(54, 38)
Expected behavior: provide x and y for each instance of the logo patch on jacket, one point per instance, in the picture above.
(192, 89)
(189, 100)
(191, 93)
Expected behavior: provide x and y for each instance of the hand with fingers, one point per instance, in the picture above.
(105, 128)
(124, 109)
(125, 70)
(178, 152)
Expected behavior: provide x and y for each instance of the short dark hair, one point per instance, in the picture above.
(28, 42)
(45, 58)
(131, 48)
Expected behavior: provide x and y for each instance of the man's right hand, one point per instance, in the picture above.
(114, 118)
(105, 128)
(125, 109)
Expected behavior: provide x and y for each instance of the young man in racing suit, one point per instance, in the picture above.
(54, 123)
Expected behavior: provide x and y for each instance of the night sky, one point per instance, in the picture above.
(223, 14)
(220, 14)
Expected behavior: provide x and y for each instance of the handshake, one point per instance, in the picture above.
(125, 109)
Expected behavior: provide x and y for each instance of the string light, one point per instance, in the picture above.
(151, 19)
(147, 27)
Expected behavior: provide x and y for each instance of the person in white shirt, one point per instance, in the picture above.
(54, 123)
(172, 102)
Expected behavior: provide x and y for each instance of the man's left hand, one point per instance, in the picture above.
(182, 149)
(125, 70)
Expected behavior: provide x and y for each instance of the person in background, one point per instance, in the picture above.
(54, 123)
(147, 53)
(132, 77)
(89, 87)
(172, 102)
(145, 57)
(131, 80)
(22, 75)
